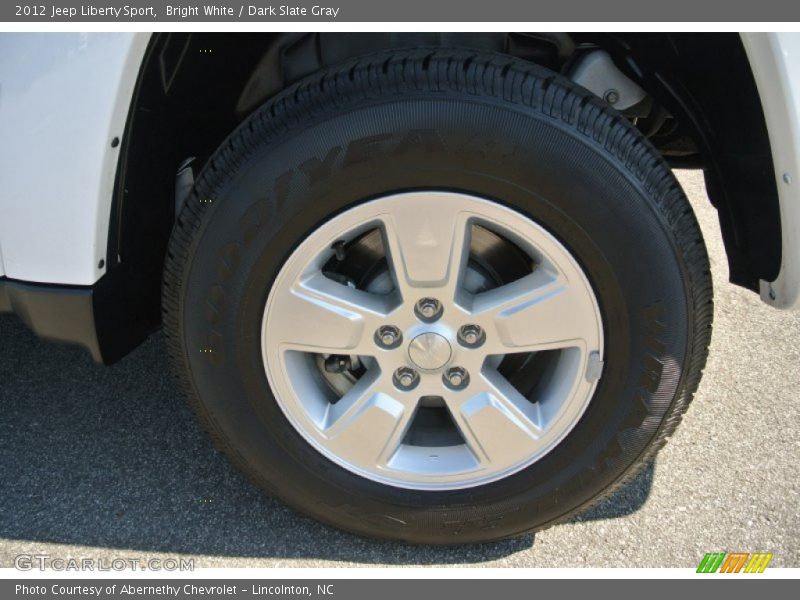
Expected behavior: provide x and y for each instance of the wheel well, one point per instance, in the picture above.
(703, 111)
(705, 82)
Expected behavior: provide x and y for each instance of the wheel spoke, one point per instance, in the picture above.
(497, 422)
(322, 315)
(367, 424)
(427, 243)
(541, 311)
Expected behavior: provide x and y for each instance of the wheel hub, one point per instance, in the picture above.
(430, 351)
(432, 340)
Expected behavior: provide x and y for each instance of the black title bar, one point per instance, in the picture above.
(464, 11)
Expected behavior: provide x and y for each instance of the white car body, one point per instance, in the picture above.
(62, 103)
(775, 61)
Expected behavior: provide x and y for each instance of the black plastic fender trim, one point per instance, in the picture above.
(98, 318)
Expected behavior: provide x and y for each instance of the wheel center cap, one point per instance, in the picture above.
(430, 351)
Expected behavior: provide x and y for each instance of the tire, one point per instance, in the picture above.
(489, 127)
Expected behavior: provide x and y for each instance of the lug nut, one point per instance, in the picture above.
(611, 96)
(388, 336)
(405, 378)
(456, 378)
(471, 336)
(428, 309)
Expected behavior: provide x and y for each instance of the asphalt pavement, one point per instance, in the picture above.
(107, 462)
